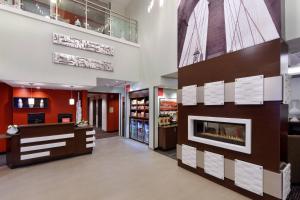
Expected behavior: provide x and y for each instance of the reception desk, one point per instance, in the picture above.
(45, 142)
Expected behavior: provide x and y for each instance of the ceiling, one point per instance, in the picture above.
(39, 85)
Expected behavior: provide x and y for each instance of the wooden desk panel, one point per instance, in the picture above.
(46, 142)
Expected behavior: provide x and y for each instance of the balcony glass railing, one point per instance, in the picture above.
(89, 14)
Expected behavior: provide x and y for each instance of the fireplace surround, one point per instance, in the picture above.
(228, 133)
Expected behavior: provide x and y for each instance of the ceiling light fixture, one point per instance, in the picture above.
(161, 3)
(72, 100)
(150, 6)
(294, 70)
(31, 99)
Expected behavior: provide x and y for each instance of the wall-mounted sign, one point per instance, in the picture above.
(77, 61)
(77, 43)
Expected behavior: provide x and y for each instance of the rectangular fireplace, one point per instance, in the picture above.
(229, 133)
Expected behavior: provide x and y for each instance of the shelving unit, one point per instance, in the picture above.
(139, 116)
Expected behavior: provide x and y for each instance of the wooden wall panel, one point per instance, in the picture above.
(267, 119)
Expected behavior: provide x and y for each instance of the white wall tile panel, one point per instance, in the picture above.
(43, 146)
(287, 89)
(214, 93)
(90, 145)
(249, 177)
(214, 164)
(35, 155)
(286, 181)
(46, 138)
(189, 156)
(249, 90)
(93, 132)
(90, 139)
(189, 95)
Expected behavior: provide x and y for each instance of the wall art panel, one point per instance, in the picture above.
(189, 95)
(249, 90)
(207, 29)
(214, 93)
(214, 164)
(189, 156)
(77, 43)
(249, 176)
(77, 61)
(286, 181)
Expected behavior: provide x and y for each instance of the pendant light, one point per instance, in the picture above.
(31, 99)
(72, 100)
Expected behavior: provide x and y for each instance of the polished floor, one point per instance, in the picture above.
(119, 169)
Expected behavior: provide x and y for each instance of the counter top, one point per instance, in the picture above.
(46, 124)
(169, 126)
(83, 128)
(4, 136)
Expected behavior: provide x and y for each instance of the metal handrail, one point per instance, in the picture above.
(133, 24)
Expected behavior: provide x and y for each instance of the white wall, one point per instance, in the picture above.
(292, 19)
(27, 48)
(295, 88)
(158, 39)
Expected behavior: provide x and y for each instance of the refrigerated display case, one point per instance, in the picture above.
(139, 116)
(146, 132)
(140, 131)
(133, 129)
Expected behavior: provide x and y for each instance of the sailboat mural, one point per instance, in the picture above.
(215, 27)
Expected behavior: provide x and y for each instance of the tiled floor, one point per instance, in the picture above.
(119, 169)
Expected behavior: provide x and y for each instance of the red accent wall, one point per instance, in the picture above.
(58, 103)
(84, 105)
(112, 117)
(5, 112)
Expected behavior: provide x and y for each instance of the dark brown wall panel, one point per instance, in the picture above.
(268, 120)
(263, 59)
(265, 131)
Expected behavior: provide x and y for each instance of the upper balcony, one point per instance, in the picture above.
(88, 14)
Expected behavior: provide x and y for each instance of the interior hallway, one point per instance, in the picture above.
(119, 169)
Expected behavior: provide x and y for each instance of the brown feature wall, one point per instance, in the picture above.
(268, 120)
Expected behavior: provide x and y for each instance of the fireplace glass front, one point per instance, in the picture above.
(221, 131)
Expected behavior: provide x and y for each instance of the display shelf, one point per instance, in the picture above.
(139, 126)
(139, 118)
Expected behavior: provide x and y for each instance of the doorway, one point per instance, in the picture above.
(104, 114)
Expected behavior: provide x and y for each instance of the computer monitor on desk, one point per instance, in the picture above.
(36, 118)
(64, 118)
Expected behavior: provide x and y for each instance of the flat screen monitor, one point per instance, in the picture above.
(36, 118)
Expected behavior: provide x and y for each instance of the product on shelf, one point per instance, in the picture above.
(140, 131)
(141, 102)
(134, 102)
(146, 132)
(133, 129)
(139, 113)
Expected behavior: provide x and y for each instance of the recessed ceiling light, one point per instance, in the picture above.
(161, 3)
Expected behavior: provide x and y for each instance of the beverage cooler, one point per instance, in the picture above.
(146, 132)
(133, 129)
